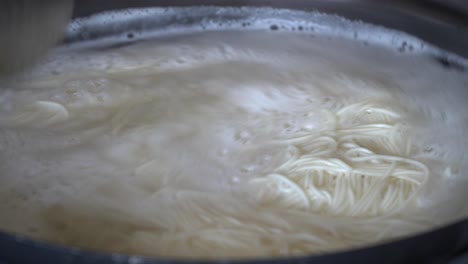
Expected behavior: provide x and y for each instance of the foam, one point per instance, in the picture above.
(129, 26)
(152, 22)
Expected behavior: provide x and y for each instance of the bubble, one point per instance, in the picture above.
(449, 64)
(249, 168)
(223, 152)
(243, 136)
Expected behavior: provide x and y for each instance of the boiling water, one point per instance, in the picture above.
(152, 147)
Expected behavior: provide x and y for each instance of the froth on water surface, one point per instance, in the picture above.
(251, 142)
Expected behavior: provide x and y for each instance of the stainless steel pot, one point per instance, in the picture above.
(446, 30)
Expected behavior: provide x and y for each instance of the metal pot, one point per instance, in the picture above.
(444, 245)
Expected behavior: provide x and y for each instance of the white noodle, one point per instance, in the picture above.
(342, 177)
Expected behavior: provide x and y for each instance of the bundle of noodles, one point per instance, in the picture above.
(361, 168)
